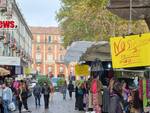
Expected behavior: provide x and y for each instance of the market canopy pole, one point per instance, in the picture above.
(140, 9)
(130, 19)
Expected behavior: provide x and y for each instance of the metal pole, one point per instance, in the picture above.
(130, 18)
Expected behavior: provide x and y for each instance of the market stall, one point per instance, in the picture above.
(130, 59)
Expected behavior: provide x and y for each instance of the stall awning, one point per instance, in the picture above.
(100, 50)
(4, 72)
(76, 49)
(140, 9)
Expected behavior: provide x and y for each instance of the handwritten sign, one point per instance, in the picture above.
(82, 70)
(131, 51)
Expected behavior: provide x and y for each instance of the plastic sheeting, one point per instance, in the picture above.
(75, 51)
(100, 51)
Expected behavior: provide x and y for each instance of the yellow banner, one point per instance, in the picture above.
(82, 70)
(131, 51)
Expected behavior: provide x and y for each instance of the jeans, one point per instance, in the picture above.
(24, 102)
(70, 94)
(5, 106)
(15, 100)
(37, 100)
(46, 101)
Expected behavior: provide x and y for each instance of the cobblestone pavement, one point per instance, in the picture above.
(57, 106)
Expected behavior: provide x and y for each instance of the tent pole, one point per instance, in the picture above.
(130, 18)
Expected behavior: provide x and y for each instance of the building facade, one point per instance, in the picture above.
(48, 52)
(15, 37)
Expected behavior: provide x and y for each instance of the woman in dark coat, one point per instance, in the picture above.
(70, 89)
(80, 97)
(46, 94)
(116, 105)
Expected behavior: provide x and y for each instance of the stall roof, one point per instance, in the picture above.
(76, 49)
(140, 9)
(99, 51)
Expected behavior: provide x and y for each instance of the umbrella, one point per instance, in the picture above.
(4, 72)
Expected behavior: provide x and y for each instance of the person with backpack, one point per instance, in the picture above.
(37, 94)
(70, 89)
(46, 94)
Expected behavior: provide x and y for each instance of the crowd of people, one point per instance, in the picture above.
(90, 95)
(15, 95)
(117, 97)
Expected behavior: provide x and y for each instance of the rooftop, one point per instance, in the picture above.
(45, 30)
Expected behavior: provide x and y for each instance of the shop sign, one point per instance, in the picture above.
(8, 24)
(131, 51)
(3, 4)
(82, 70)
(10, 61)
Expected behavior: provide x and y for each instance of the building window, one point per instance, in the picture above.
(38, 58)
(38, 48)
(50, 58)
(49, 69)
(61, 39)
(61, 57)
(49, 49)
(49, 39)
(38, 69)
(61, 48)
(61, 69)
(38, 39)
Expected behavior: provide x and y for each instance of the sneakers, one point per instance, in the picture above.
(24, 110)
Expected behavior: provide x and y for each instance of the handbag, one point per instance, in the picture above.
(12, 106)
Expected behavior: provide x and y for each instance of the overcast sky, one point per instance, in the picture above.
(39, 12)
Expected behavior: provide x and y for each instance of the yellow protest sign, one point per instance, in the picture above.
(131, 51)
(82, 70)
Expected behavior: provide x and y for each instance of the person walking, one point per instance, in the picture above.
(22, 97)
(80, 97)
(7, 98)
(70, 89)
(64, 90)
(1, 104)
(52, 92)
(96, 87)
(46, 94)
(37, 94)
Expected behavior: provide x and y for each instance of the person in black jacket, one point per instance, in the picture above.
(46, 93)
(37, 94)
(70, 89)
